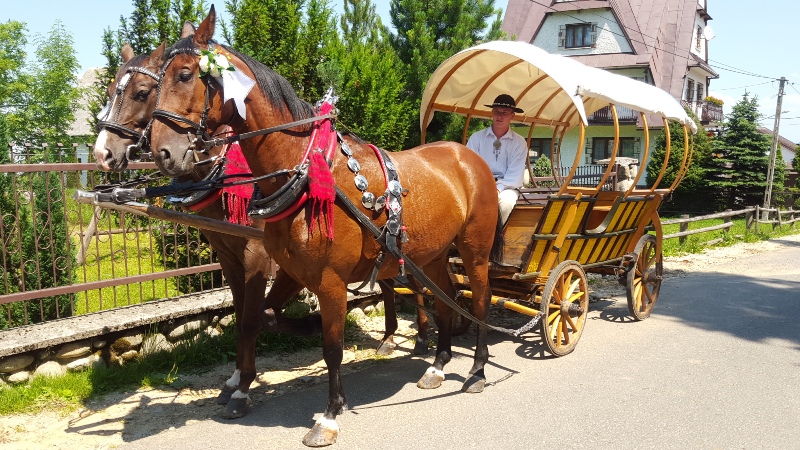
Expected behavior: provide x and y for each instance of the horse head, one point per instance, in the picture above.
(180, 112)
(205, 85)
(124, 119)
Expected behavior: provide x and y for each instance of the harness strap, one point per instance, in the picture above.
(238, 137)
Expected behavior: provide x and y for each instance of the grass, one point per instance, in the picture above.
(696, 243)
(192, 355)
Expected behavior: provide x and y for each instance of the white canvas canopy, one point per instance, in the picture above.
(599, 88)
(553, 90)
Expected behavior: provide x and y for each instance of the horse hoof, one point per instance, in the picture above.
(386, 348)
(421, 348)
(225, 395)
(321, 435)
(474, 385)
(236, 408)
(431, 380)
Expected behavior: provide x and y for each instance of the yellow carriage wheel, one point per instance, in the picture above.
(644, 279)
(565, 303)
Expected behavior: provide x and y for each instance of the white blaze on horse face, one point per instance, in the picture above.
(100, 151)
(233, 381)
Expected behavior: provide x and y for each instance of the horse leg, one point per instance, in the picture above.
(333, 305)
(477, 264)
(421, 344)
(235, 394)
(235, 276)
(434, 376)
(387, 345)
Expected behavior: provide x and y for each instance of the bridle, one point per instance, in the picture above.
(202, 141)
(133, 152)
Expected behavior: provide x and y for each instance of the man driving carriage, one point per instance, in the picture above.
(504, 150)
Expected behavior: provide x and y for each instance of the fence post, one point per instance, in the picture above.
(756, 218)
(748, 220)
(778, 214)
(728, 221)
(683, 227)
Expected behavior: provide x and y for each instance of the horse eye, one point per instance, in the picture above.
(185, 76)
(141, 96)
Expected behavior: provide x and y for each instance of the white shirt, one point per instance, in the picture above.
(508, 162)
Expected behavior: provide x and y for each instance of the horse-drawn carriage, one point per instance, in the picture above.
(443, 238)
(556, 234)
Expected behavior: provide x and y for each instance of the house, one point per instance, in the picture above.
(659, 42)
(788, 148)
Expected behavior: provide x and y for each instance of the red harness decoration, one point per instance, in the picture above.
(321, 186)
(237, 197)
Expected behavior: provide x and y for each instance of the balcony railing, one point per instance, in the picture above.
(707, 112)
(603, 115)
(711, 113)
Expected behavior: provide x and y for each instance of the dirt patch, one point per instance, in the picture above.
(122, 417)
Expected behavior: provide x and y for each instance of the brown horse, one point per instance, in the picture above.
(124, 125)
(449, 198)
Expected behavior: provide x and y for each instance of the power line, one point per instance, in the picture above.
(727, 67)
(742, 87)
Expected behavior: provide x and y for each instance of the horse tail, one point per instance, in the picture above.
(496, 254)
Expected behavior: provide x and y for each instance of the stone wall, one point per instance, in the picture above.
(115, 336)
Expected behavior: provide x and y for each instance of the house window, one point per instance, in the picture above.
(700, 90)
(578, 35)
(699, 38)
(690, 91)
(541, 146)
(602, 148)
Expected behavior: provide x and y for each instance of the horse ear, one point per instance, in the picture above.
(205, 31)
(127, 52)
(158, 54)
(188, 29)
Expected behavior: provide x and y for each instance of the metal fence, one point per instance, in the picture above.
(60, 258)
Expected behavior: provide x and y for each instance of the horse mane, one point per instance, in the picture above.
(136, 61)
(276, 89)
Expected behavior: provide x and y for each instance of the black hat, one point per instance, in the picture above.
(505, 101)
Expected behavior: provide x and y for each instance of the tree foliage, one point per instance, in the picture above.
(430, 31)
(691, 194)
(368, 78)
(289, 36)
(739, 157)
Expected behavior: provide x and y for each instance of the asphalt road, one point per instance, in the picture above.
(717, 366)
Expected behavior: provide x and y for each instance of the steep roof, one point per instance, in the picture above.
(785, 143)
(80, 127)
(660, 33)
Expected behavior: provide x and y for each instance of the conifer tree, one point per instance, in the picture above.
(368, 78)
(739, 157)
(430, 31)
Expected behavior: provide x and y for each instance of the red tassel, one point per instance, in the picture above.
(236, 209)
(321, 192)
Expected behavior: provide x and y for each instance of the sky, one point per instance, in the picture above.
(751, 50)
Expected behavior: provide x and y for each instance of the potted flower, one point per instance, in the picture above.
(714, 100)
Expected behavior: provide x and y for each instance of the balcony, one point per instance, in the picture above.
(711, 113)
(603, 115)
(707, 112)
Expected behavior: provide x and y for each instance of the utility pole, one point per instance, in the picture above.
(773, 150)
